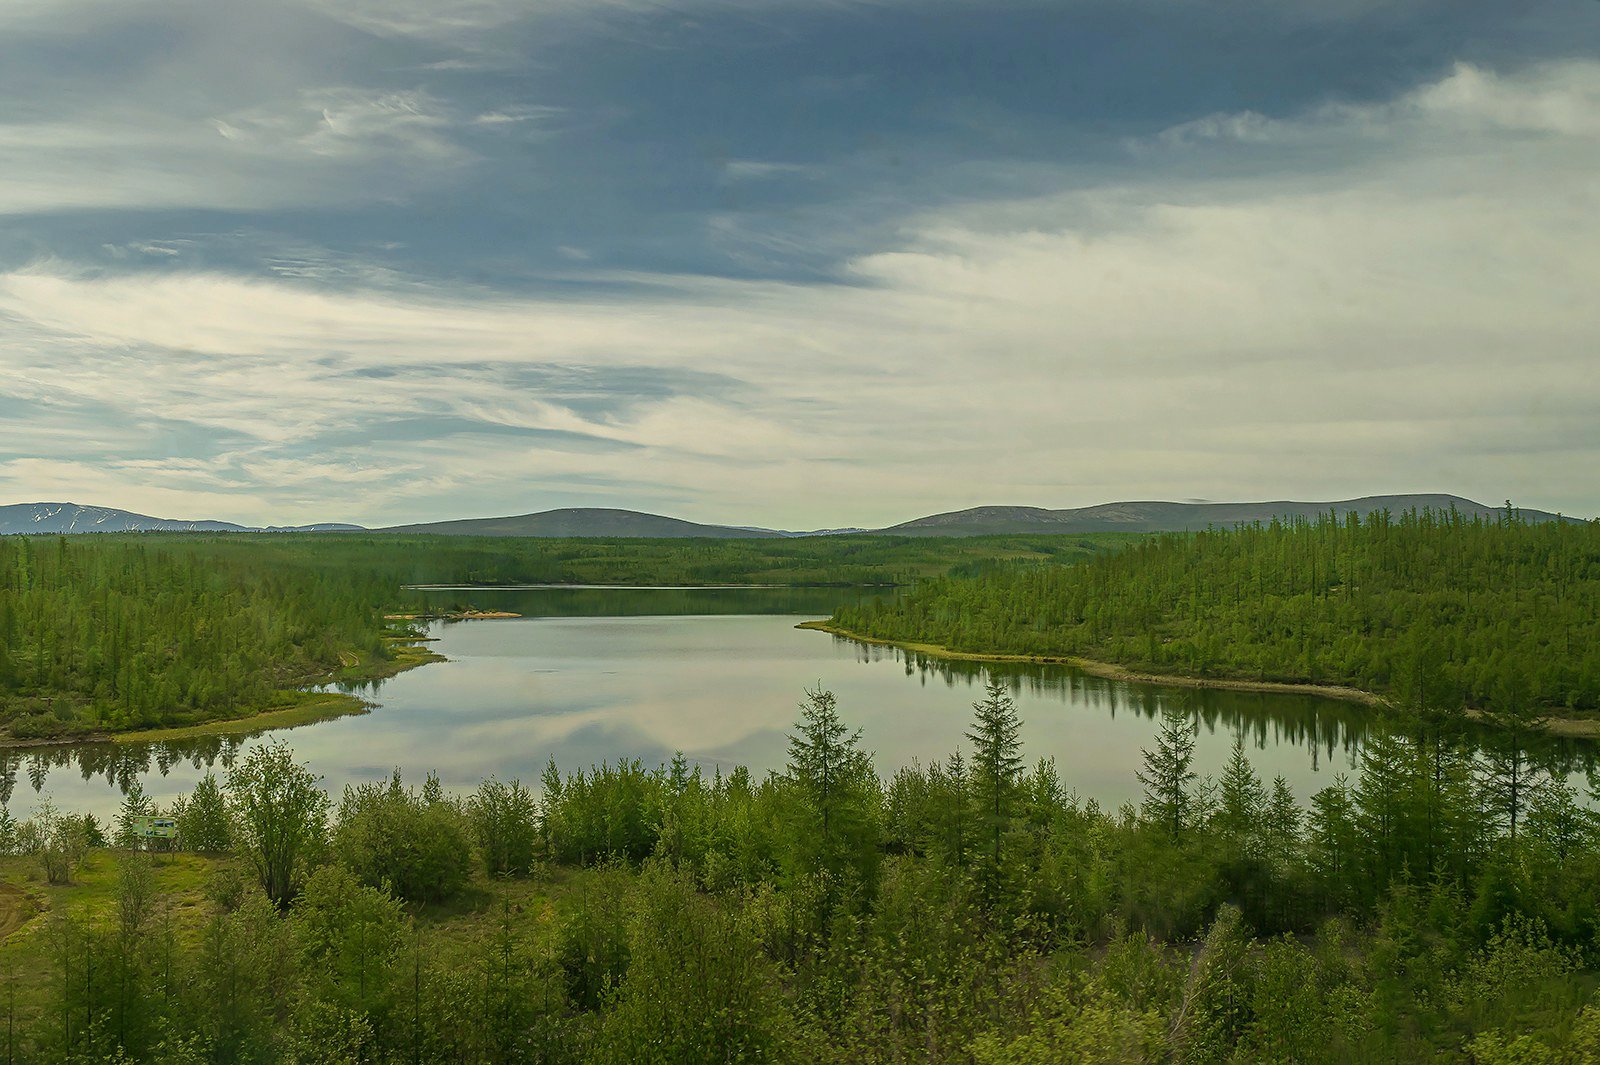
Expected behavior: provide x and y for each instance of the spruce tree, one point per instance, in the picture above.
(1331, 835)
(1385, 803)
(1242, 801)
(1509, 775)
(203, 823)
(135, 804)
(1168, 771)
(836, 786)
(1282, 820)
(996, 765)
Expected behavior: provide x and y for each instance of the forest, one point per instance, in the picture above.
(1420, 606)
(1440, 906)
(104, 633)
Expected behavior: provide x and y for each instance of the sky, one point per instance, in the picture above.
(795, 263)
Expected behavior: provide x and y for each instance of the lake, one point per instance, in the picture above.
(593, 674)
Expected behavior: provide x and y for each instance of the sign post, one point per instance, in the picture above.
(148, 826)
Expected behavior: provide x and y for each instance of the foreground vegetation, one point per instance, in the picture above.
(1426, 607)
(112, 633)
(1438, 907)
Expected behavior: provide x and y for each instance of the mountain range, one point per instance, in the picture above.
(63, 518)
(1155, 516)
(1146, 516)
(585, 521)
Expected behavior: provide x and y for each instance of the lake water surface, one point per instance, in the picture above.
(599, 674)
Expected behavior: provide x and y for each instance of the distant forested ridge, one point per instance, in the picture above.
(1483, 611)
(109, 633)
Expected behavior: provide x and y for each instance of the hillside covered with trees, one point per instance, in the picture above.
(972, 911)
(1424, 606)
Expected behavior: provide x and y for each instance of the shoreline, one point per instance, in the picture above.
(322, 706)
(1581, 728)
(449, 615)
(1112, 671)
(636, 587)
(308, 707)
(318, 706)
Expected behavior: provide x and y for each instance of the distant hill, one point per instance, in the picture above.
(68, 518)
(1174, 517)
(1137, 517)
(583, 521)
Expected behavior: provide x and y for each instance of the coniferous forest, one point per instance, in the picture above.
(1427, 607)
(1441, 903)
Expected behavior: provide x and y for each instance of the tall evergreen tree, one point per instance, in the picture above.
(996, 765)
(1385, 805)
(1331, 835)
(1168, 772)
(837, 787)
(135, 804)
(1509, 775)
(1242, 802)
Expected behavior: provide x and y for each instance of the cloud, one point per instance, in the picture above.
(342, 122)
(1557, 99)
(1416, 314)
(323, 146)
(757, 169)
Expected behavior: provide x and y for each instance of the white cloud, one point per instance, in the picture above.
(345, 122)
(1560, 99)
(1421, 317)
(331, 145)
(758, 169)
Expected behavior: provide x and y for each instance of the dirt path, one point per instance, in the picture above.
(17, 907)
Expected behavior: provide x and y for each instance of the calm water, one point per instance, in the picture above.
(595, 674)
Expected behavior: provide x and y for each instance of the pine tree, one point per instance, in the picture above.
(1168, 772)
(837, 789)
(203, 822)
(996, 764)
(1242, 801)
(135, 804)
(1509, 776)
(1385, 804)
(1282, 820)
(1331, 834)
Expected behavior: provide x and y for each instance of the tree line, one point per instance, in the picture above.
(114, 634)
(969, 910)
(1433, 606)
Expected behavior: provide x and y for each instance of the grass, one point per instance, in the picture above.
(28, 901)
(309, 708)
(458, 931)
(408, 654)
